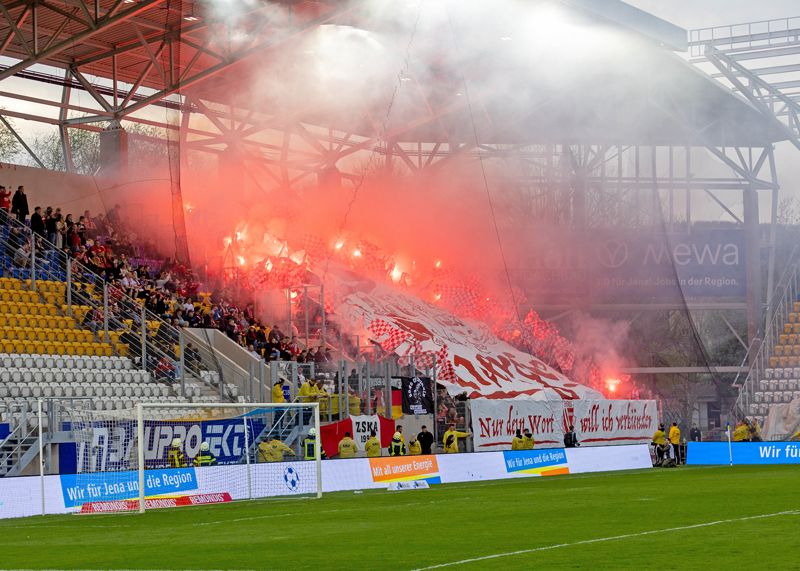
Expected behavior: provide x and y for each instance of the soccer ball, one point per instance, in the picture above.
(291, 478)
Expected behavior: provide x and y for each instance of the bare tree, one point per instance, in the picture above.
(9, 146)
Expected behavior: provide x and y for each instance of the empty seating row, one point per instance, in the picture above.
(789, 339)
(44, 286)
(779, 385)
(40, 321)
(21, 296)
(45, 375)
(776, 397)
(65, 362)
(787, 351)
(784, 362)
(28, 308)
(789, 328)
(782, 373)
(759, 412)
(91, 390)
(47, 334)
(55, 347)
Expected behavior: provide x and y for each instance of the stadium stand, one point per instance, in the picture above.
(58, 341)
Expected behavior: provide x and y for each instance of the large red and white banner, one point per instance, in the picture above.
(496, 421)
(469, 358)
(615, 421)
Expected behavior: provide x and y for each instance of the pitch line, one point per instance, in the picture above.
(603, 539)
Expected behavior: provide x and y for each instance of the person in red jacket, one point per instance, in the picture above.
(5, 198)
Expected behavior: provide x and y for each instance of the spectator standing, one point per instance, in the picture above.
(450, 439)
(527, 440)
(273, 451)
(372, 446)
(277, 392)
(50, 222)
(19, 204)
(37, 222)
(425, 439)
(5, 198)
(347, 447)
(694, 434)
(570, 439)
(675, 441)
(659, 442)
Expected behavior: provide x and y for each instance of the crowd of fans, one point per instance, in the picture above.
(101, 244)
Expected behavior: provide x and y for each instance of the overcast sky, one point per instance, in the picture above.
(707, 13)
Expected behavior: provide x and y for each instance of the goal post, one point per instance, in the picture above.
(175, 454)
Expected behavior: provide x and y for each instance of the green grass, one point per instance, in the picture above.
(419, 528)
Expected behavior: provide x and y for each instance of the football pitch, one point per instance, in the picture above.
(682, 518)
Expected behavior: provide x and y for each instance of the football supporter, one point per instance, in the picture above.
(347, 447)
(742, 432)
(175, 457)
(659, 442)
(205, 457)
(373, 445)
(308, 391)
(5, 198)
(277, 392)
(570, 438)
(528, 442)
(273, 451)
(425, 439)
(450, 439)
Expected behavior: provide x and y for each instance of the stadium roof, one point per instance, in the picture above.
(644, 94)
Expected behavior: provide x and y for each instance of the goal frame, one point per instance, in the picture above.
(141, 406)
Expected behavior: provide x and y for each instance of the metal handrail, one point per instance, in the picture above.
(780, 305)
(84, 287)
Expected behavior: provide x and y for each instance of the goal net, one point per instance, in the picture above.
(170, 455)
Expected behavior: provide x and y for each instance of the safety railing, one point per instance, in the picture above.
(116, 319)
(22, 418)
(746, 36)
(762, 348)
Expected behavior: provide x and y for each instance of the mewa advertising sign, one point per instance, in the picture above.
(614, 266)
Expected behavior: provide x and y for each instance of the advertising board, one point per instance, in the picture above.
(718, 453)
